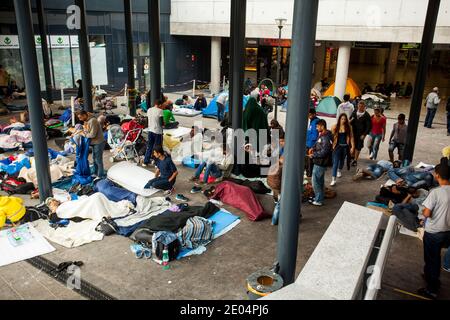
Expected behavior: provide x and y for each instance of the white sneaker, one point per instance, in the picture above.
(333, 181)
(339, 174)
(144, 165)
(318, 204)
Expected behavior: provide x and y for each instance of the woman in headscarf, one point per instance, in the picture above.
(255, 118)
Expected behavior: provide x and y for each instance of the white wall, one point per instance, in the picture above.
(338, 20)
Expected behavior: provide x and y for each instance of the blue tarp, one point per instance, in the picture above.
(53, 154)
(66, 116)
(211, 110)
(82, 173)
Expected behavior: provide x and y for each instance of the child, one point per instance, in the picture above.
(166, 172)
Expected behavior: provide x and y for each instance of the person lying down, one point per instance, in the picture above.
(108, 201)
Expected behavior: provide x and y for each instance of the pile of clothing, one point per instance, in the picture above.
(15, 136)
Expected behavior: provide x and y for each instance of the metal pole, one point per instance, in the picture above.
(44, 49)
(85, 57)
(155, 51)
(300, 74)
(22, 10)
(278, 81)
(130, 56)
(237, 60)
(421, 76)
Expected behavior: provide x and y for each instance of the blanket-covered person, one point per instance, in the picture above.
(437, 229)
(166, 172)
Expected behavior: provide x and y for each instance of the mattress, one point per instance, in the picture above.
(175, 133)
(186, 112)
(132, 177)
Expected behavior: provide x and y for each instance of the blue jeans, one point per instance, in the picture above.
(276, 213)
(376, 170)
(429, 117)
(413, 179)
(220, 111)
(432, 245)
(160, 183)
(400, 147)
(338, 159)
(376, 140)
(318, 182)
(211, 169)
(97, 157)
(153, 140)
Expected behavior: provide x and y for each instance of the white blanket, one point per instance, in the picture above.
(145, 209)
(132, 177)
(73, 235)
(94, 207)
(175, 133)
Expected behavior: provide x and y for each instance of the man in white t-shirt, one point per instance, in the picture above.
(221, 103)
(155, 131)
(345, 107)
(437, 229)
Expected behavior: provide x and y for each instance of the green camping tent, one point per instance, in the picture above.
(327, 106)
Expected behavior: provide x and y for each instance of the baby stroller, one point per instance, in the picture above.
(123, 146)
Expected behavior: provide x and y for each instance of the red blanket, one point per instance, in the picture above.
(240, 197)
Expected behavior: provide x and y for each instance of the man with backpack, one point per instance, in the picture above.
(320, 153)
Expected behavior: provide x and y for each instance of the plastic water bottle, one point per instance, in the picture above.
(165, 258)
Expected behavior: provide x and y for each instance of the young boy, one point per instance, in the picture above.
(166, 172)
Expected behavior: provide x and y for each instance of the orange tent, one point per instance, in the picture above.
(351, 88)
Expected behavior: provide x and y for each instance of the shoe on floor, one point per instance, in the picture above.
(427, 294)
(316, 203)
(180, 197)
(339, 174)
(446, 269)
(169, 192)
(144, 165)
(196, 189)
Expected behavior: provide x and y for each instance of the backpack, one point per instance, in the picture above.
(197, 231)
(16, 186)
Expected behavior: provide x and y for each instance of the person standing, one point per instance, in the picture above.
(93, 130)
(377, 133)
(321, 156)
(345, 107)
(398, 138)
(431, 102)
(343, 146)
(437, 229)
(361, 124)
(311, 138)
(155, 130)
(221, 103)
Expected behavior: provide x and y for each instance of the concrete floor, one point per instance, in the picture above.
(220, 272)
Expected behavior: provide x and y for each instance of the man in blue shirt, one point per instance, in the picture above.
(311, 138)
(166, 172)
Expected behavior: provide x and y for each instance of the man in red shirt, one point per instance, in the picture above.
(377, 133)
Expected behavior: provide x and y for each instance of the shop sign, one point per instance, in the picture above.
(371, 45)
(251, 43)
(274, 42)
(9, 42)
(410, 46)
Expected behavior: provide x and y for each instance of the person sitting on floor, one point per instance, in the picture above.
(166, 172)
(200, 103)
(219, 166)
(185, 102)
(376, 170)
(168, 118)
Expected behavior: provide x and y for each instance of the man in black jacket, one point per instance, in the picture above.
(320, 153)
(361, 124)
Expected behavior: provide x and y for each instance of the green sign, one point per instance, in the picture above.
(410, 46)
(7, 40)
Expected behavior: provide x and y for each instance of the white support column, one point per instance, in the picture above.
(342, 69)
(216, 51)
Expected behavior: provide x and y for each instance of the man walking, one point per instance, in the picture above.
(321, 156)
(345, 107)
(362, 125)
(155, 130)
(221, 102)
(431, 102)
(398, 138)
(93, 130)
